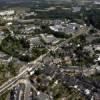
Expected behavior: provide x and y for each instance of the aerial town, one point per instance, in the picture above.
(49, 49)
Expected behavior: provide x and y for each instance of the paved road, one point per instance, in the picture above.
(22, 90)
